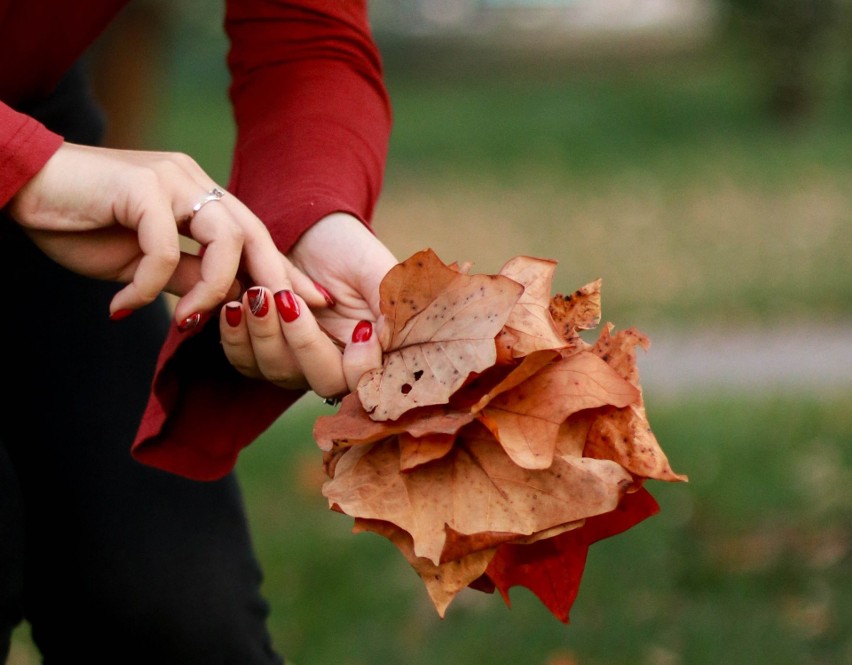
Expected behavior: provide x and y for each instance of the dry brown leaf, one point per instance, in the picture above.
(352, 426)
(526, 419)
(416, 451)
(624, 435)
(576, 311)
(442, 327)
(571, 440)
(476, 488)
(494, 444)
(459, 545)
(530, 324)
(443, 581)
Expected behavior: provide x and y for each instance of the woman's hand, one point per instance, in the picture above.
(117, 215)
(294, 346)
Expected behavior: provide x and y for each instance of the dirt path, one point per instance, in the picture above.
(816, 358)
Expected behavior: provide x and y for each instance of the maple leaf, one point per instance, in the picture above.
(474, 489)
(526, 418)
(441, 327)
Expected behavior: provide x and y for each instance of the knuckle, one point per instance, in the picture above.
(146, 180)
(306, 345)
(330, 389)
(239, 360)
(173, 165)
(166, 258)
(264, 334)
(184, 161)
(219, 290)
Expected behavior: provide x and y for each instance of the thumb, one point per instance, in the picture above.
(362, 354)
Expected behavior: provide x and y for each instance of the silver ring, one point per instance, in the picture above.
(215, 194)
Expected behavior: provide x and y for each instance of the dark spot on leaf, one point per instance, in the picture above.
(406, 388)
(418, 374)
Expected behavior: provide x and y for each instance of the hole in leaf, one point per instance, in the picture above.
(406, 388)
(418, 374)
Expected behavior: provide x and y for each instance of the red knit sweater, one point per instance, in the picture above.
(313, 121)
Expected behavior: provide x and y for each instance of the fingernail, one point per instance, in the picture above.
(363, 332)
(258, 304)
(120, 314)
(190, 322)
(325, 294)
(233, 314)
(201, 251)
(288, 306)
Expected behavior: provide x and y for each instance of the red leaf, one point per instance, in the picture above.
(552, 569)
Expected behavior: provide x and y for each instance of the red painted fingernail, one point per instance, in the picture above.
(363, 332)
(288, 306)
(233, 314)
(325, 294)
(190, 322)
(120, 314)
(258, 302)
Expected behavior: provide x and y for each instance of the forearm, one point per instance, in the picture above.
(312, 112)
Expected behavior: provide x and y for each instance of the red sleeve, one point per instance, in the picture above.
(25, 147)
(312, 113)
(313, 122)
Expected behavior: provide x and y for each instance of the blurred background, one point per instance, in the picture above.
(694, 154)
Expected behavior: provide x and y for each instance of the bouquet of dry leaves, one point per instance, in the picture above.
(494, 445)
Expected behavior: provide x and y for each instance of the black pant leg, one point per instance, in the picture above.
(11, 552)
(122, 563)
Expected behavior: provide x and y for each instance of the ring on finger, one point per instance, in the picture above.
(213, 195)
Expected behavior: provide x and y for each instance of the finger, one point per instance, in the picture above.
(319, 358)
(262, 260)
(362, 354)
(313, 293)
(183, 279)
(236, 342)
(267, 265)
(274, 359)
(160, 252)
(222, 239)
(188, 274)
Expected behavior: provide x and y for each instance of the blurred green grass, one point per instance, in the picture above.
(747, 563)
